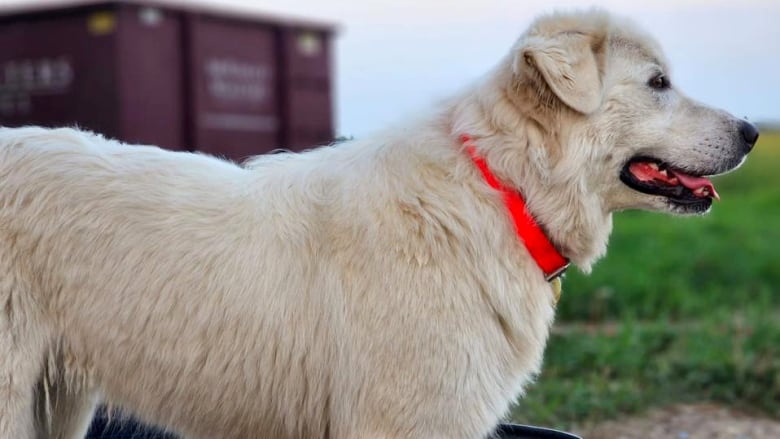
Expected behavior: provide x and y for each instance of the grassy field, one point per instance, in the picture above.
(681, 309)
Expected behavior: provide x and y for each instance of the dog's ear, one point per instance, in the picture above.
(570, 63)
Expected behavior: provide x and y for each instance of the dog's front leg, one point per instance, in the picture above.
(21, 353)
(63, 411)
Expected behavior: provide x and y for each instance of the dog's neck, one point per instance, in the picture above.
(521, 151)
(542, 250)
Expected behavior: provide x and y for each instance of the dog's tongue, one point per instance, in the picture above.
(700, 186)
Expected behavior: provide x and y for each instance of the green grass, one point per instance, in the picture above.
(681, 309)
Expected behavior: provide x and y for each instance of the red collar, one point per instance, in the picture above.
(552, 263)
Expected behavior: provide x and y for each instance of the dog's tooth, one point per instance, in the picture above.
(654, 166)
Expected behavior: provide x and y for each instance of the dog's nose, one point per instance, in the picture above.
(749, 133)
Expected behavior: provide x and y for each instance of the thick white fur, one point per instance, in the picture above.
(373, 289)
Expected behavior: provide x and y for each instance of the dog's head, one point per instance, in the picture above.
(605, 88)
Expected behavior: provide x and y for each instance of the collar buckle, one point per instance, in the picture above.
(557, 273)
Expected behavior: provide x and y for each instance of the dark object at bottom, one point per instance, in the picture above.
(129, 429)
(514, 431)
(123, 428)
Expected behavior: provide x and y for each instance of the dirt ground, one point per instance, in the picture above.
(696, 421)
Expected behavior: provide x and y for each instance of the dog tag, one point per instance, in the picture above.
(556, 287)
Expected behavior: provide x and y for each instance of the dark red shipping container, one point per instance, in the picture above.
(182, 78)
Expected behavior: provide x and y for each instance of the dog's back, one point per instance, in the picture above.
(120, 264)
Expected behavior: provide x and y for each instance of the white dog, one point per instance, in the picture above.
(373, 289)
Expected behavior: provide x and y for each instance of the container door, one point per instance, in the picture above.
(233, 87)
(59, 69)
(306, 87)
(152, 90)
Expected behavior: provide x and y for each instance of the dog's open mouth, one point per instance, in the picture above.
(653, 176)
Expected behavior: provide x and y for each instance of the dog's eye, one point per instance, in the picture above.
(659, 82)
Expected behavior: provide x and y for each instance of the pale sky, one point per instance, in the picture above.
(396, 58)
